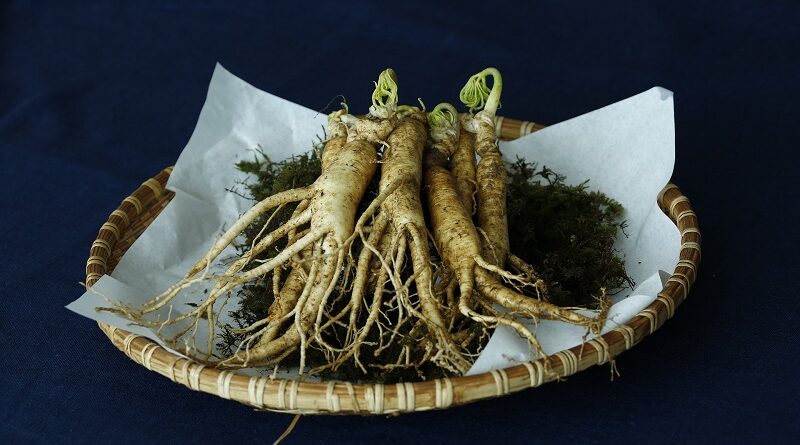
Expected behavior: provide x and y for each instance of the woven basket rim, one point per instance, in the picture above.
(136, 211)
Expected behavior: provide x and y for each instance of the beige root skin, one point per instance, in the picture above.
(284, 303)
(318, 286)
(348, 170)
(245, 220)
(491, 181)
(527, 271)
(337, 193)
(490, 176)
(462, 165)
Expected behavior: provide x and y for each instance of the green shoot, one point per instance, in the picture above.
(476, 94)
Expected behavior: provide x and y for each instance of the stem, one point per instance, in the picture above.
(476, 93)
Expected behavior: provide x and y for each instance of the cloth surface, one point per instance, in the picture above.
(95, 98)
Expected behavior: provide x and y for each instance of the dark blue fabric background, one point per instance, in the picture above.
(95, 98)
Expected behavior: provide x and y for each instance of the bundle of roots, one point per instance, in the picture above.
(396, 256)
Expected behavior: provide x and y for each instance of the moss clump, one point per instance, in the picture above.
(566, 232)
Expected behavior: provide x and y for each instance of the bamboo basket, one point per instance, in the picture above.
(137, 211)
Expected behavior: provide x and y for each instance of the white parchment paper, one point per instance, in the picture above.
(626, 150)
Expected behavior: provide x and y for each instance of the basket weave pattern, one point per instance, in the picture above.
(137, 211)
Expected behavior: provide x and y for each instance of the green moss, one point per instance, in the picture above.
(566, 232)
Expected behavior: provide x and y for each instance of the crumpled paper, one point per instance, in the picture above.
(626, 150)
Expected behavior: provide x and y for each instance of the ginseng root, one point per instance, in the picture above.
(462, 165)
(490, 173)
(329, 207)
(402, 213)
(458, 243)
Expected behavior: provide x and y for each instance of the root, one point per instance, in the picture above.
(494, 291)
(523, 267)
(318, 325)
(450, 355)
(285, 300)
(353, 350)
(322, 271)
(459, 244)
(522, 280)
(226, 283)
(462, 164)
(491, 194)
(362, 273)
(491, 321)
(490, 173)
(371, 209)
(166, 297)
(270, 264)
(267, 241)
(292, 234)
(245, 220)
